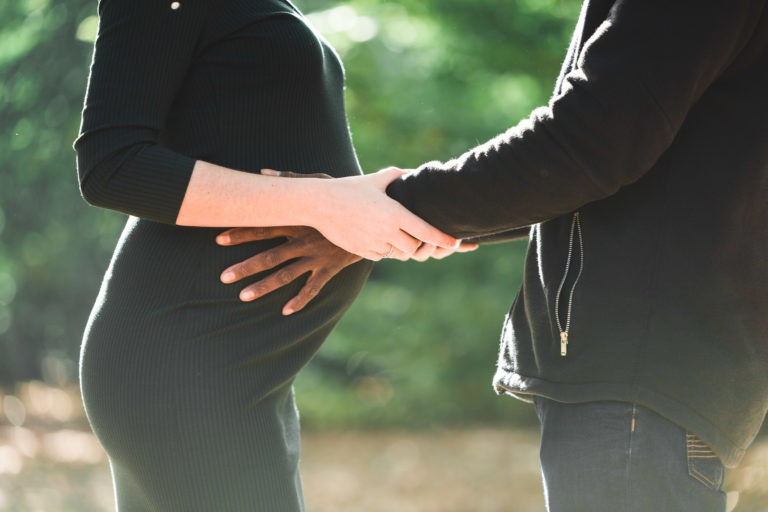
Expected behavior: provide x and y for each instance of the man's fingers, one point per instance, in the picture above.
(315, 282)
(272, 172)
(243, 235)
(273, 281)
(290, 174)
(259, 263)
(237, 236)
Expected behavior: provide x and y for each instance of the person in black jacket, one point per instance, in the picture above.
(641, 328)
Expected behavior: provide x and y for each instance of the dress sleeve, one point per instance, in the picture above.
(619, 108)
(142, 53)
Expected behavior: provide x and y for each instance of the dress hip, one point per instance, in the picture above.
(189, 389)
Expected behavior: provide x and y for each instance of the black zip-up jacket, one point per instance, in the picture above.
(645, 181)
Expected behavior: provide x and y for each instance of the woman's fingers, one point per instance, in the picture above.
(403, 247)
(406, 240)
(386, 176)
(426, 233)
(405, 243)
(418, 228)
(441, 253)
(397, 254)
(425, 252)
(466, 247)
(368, 221)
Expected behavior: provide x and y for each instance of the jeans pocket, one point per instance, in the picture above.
(703, 464)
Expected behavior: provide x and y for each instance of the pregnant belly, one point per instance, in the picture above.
(173, 265)
(163, 307)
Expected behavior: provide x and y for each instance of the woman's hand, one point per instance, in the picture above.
(365, 221)
(427, 251)
(312, 253)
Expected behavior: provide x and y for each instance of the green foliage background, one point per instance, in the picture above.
(426, 79)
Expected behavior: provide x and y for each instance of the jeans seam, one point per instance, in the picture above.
(701, 478)
(696, 449)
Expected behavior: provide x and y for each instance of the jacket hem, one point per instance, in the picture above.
(524, 388)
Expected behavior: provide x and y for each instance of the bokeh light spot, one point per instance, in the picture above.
(14, 410)
(87, 29)
(7, 288)
(11, 462)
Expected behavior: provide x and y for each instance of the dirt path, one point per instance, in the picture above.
(442, 471)
(49, 461)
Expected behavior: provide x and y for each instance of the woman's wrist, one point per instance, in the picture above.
(316, 201)
(221, 197)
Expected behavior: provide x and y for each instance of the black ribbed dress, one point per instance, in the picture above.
(189, 389)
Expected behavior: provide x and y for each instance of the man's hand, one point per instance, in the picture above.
(312, 253)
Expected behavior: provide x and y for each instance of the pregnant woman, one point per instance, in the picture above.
(188, 388)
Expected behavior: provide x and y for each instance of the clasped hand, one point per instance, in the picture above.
(307, 251)
(357, 215)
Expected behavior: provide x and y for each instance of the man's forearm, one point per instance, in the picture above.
(617, 112)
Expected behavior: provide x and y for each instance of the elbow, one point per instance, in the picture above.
(98, 170)
(93, 194)
(87, 170)
(90, 191)
(94, 180)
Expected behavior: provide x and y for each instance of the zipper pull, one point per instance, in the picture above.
(563, 343)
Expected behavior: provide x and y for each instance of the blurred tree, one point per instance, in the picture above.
(427, 79)
(53, 248)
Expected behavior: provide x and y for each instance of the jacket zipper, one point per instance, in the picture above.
(565, 326)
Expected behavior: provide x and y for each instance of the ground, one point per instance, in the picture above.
(49, 462)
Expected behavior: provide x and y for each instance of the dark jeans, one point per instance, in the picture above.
(621, 457)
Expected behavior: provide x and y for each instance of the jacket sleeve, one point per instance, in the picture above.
(504, 236)
(142, 53)
(619, 108)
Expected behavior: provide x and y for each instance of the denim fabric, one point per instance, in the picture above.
(621, 457)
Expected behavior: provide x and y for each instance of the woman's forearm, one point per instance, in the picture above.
(221, 197)
(354, 213)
